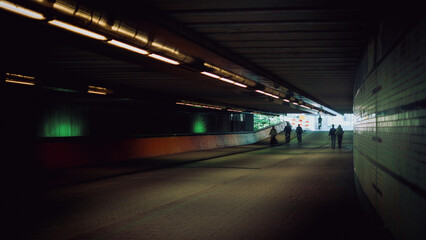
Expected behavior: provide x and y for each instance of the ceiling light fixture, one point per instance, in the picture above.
(98, 90)
(211, 75)
(240, 84)
(164, 59)
(19, 79)
(20, 10)
(232, 82)
(128, 47)
(267, 94)
(19, 82)
(78, 30)
(286, 100)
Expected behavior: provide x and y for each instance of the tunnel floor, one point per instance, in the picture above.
(293, 191)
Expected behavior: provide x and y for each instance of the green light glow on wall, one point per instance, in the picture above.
(199, 126)
(64, 122)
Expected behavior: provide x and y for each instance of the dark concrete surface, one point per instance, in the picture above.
(290, 192)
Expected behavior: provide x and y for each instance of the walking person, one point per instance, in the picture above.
(332, 134)
(273, 134)
(339, 133)
(299, 132)
(287, 131)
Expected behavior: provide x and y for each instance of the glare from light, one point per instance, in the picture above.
(142, 38)
(64, 8)
(76, 29)
(286, 100)
(101, 22)
(128, 47)
(267, 94)
(295, 103)
(164, 59)
(126, 32)
(83, 15)
(20, 10)
(211, 75)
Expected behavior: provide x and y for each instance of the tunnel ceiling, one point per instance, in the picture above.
(309, 48)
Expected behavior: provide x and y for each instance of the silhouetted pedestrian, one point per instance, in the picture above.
(273, 134)
(299, 132)
(287, 131)
(339, 133)
(332, 134)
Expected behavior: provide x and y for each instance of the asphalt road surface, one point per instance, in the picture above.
(293, 191)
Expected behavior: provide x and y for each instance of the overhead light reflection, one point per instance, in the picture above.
(76, 29)
(20, 10)
(64, 8)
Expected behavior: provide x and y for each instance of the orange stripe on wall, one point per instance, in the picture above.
(69, 154)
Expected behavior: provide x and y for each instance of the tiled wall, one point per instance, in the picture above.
(390, 126)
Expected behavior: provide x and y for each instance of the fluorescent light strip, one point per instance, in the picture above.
(211, 75)
(19, 82)
(96, 92)
(232, 82)
(305, 106)
(128, 47)
(78, 30)
(164, 59)
(267, 94)
(286, 100)
(240, 85)
(20, 10)
(226, 80)
(233, 110)
(295, 103)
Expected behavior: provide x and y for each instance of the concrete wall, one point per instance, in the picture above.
(390, 124)
(71, 152)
